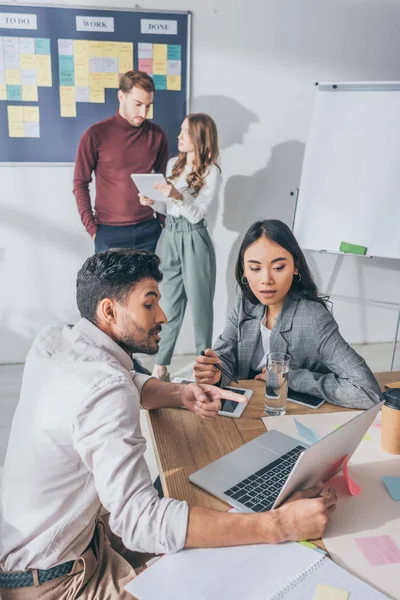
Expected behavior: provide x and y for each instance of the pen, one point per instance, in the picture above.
(224, 371)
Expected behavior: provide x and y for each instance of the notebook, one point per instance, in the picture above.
(261, 572)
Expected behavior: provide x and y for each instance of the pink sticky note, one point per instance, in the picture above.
(146, 65)
(353, 488)
(379, 550)
(378, 425)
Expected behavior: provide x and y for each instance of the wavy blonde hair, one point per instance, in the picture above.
(204, 136)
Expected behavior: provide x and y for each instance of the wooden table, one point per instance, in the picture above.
(183, 443)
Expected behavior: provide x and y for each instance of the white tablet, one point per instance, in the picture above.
(145, 184)
(229, 408)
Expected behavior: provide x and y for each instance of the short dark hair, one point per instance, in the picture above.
(113, 274)
(138, 79)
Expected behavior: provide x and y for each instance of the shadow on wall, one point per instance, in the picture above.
(233, 122)
(264, 195)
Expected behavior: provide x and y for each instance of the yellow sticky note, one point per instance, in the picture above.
(13, 77)
(31, 114)
(27, 62)
(327, 592)
(96, 48)
(15, 114)
(150, 114)
(29, 93)
(97, 96)
(111, 49)
(81, 72)
(67, 101)
(159, 66)
(96, 81)
(160, 51)
(16, 130)
(43, 70)
(125, 62)
(174, 82)
(3, 92)
(126, 47)
(111, 80)
(81, 49)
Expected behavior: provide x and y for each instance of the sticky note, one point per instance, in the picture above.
(16, 130)
(43, 70)
(15, 114)
(82, 94)
(66, 78)
(126, 48)
(393, 486)
(31, 130)
(14, 92)
(111, 49)
(353, 488)
(96, 64)
(27, 61)
(2, 74)
(145, 50)
(42, 46)
(174, 52)
(66, 47)
(125, 61)
(95, 48)
(28, 77)
(110, 65)
(81, 74)
(96, 81)
(27, 46)
(12, 61)
(379, 550)
(160, 52)
(67, 101)
(81, 49)
(10, 45)
(97, 96)
(146, 65)
(111, 80)
(31, 114)
(367, 438)
(327, 592)
(66, 66)
(174, 82)
(29, 93)
(307, 433)
(13, 77)
(3, 92)
(150, 114)
(174, 67)
(160, 82)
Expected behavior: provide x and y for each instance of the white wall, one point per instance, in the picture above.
(254, 67)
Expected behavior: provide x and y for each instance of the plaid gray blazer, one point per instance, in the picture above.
(322, 363)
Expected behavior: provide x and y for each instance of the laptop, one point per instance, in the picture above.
(263, 473)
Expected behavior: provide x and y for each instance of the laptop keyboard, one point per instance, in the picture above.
(260, 490)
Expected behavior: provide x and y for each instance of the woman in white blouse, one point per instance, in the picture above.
(187, 252)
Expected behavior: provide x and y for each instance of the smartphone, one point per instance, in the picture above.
(229, 408)
(305, 399)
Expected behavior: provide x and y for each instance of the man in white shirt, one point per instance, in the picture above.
(76, 446)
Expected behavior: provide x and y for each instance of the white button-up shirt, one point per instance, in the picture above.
(75, 444)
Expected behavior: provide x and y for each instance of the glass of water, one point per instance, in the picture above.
(276, 383)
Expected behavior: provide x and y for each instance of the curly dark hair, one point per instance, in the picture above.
(113, 274)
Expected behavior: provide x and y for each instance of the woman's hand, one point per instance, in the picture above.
(204, 369)
(261, 376)
(168, 191)
(144, 201)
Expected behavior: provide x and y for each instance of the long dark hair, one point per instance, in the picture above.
(280, 234)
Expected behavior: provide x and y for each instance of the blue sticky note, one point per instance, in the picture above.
(174, 52)
(14, 92)
(42, 46)
(308, 434)
(160, 82)
(67, 78)
(66, 64)
(393, 486)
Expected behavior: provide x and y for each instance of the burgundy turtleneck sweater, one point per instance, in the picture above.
(114, 149)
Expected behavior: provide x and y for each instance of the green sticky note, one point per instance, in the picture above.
(327, 592)
(352, 248)
(367, 438)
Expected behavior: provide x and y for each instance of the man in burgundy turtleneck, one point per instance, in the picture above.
(113, 149)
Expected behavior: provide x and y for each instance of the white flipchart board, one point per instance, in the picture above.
(350, 183)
